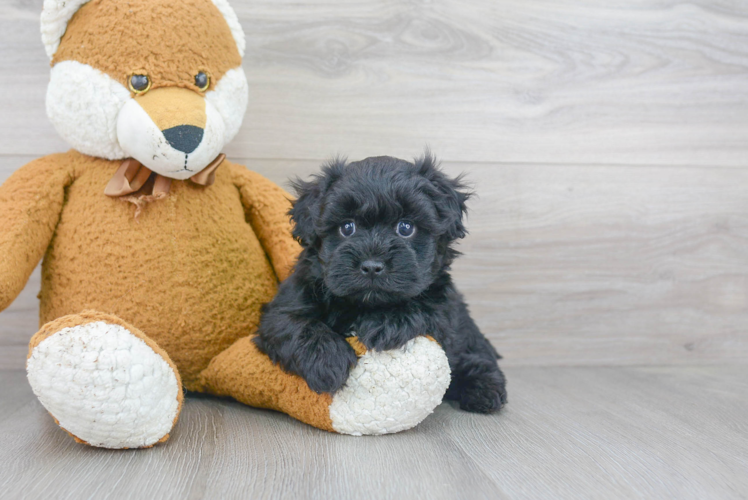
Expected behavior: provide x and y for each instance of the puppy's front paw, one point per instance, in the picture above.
(483, 395)
(326, 364)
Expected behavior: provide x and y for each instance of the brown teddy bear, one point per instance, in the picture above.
(158, 253)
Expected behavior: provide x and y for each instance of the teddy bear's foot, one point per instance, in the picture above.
(106, 383)
(386, 392)
(391, 391)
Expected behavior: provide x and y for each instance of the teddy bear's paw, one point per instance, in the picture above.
(105, 386)
(391, 391)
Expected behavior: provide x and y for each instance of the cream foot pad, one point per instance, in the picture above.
(105, 386)
(391, 391)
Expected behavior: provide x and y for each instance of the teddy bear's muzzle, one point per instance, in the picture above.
(184, 138)
(173, 131)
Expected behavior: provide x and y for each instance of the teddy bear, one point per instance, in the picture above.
(158, 253)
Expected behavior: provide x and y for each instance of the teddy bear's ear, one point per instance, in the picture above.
(233, 21)
(449, 196)
(56, 14)
(308, 205)
(55, 17)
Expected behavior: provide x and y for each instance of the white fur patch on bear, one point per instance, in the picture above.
(83, 105)
(105, 386)
(391, 391)
(230, 98)
(56, 14)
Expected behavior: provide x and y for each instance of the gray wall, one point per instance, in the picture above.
(607, 141)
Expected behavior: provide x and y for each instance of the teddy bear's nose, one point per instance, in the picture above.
(185, 138)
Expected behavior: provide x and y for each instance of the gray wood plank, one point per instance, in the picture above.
(221, 449)
(569, 265)
(408, 465)
(39, 460)
(673, 432)
(563, 81)
(654, 432)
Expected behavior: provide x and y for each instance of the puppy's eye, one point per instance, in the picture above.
(347, 229)
(139, 84)
(405, 229)
(202, 81)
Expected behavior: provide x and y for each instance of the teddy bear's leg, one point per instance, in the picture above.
(104, 382)
(386, 391)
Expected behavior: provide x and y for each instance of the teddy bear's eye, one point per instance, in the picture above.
(405, 229)
(202, 81)
(139, 83)
(347, 229)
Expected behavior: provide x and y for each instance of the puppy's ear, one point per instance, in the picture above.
(449, 196)
(308, 205)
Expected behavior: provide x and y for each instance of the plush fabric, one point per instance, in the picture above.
(391, 391)
(230, 97)
(386, 392)
(107, 41)
(30, 203)
(140, 130)
(83, 104)
(57, 14)
(122, 377)
(95, 37)
(247, 375)
(54, 20)
(219, 251)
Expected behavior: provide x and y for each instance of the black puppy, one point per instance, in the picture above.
(377, 238)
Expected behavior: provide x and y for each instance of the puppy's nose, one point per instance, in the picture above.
(372, 268)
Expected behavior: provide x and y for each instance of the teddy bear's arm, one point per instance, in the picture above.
(266, 208)
(31, 201)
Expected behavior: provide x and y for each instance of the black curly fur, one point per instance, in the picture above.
(329, 296)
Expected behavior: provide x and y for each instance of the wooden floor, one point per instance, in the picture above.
(597, 432)
(607, 257)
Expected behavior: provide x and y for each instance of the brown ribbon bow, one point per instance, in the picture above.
(132, 176)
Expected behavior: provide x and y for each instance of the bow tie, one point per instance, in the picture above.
(132, 176)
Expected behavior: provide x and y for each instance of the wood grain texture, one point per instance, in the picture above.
(562, 81)
(675, 432)
(577, 265)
